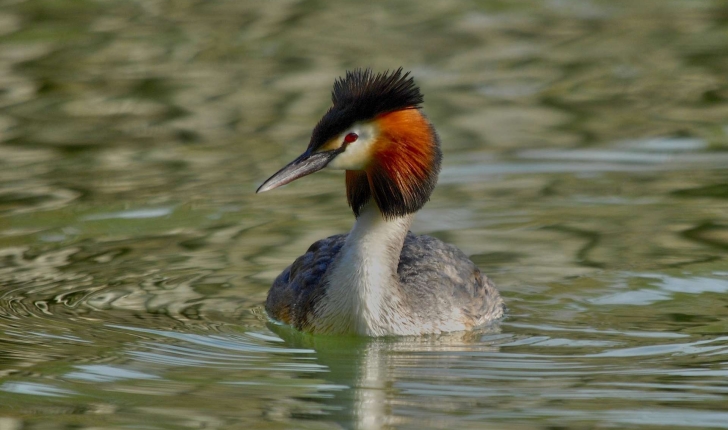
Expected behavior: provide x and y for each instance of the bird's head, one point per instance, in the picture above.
(377, 133)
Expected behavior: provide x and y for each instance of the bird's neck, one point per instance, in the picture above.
(363, 295)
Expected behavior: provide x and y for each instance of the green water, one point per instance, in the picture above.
(585, 170)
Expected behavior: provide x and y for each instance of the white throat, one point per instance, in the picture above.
(363, 293)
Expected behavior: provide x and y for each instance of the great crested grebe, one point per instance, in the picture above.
(380, 279)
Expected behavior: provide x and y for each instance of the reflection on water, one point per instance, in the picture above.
(585, 153)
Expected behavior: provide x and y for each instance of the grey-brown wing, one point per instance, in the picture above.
(437, 277)
(297, 289)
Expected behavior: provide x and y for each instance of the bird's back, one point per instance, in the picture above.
(439, 284)
(438, 280)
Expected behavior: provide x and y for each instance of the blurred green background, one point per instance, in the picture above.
(585, 144)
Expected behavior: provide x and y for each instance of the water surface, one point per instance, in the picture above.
(586, 146)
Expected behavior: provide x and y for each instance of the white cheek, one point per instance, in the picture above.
(358, 154)
(356, 157)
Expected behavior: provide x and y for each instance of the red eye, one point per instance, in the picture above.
(351, 137)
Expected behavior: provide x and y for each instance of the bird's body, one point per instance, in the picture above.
(379, 279)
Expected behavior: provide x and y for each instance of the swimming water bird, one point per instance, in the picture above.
(379, 279)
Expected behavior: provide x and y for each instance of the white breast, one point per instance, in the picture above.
(362, 295)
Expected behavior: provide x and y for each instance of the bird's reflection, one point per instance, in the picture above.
(371, 368)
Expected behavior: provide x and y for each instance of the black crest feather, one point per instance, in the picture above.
(370, 95)
(362, 95)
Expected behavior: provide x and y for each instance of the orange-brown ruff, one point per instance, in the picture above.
(379, 279)
(402, 160)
